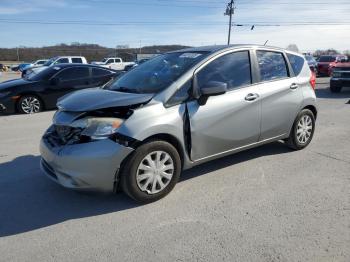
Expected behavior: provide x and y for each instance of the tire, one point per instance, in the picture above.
(137, 181)
(296, 137)
(335, 89)
(29, 104)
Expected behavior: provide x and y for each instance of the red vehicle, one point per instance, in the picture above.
(326, 61)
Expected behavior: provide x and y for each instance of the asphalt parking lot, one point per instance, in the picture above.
(265, 204)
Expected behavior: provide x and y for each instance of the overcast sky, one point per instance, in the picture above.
(187, 22)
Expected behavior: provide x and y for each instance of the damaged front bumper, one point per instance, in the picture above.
(91, 166)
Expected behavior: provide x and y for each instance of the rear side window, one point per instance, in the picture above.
(74, 73)
(297, 63)
(233, 69)
(272, 65)
(100, 72)
(77, 60)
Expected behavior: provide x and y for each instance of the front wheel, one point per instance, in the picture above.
(29, 104)
(302, 131)
(151, 172)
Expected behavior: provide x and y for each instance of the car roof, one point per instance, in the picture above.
(65, 65)
(217, 48)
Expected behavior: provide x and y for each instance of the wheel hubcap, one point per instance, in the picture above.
(30, 105)
(155, 172)
(304, 129)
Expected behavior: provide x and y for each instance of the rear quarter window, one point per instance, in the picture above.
(297, 63)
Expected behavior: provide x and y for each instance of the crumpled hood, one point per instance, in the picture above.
(13, 83)
(97, 98)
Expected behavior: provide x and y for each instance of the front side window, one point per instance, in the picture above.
(157, 74)
(232, 69)
(272, 65)
(110, 61)
(73, 73)
(62, 61)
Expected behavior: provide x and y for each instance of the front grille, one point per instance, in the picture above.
(343, 68)
(345, 75)
(63, 135)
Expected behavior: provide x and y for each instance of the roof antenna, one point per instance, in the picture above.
(266, 42)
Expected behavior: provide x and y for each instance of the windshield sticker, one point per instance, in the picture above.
(190, 55)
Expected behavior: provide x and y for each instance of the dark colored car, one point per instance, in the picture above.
(40, 91)
(340, 77)
(325, 61)
(311, 61)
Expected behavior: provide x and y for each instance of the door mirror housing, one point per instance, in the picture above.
(213, 88)
(55, 81)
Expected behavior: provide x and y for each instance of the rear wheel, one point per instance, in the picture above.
(151, 172)
(29, 104)
(302, 131)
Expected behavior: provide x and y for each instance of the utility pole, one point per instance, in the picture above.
(17, 54)
(230, 10)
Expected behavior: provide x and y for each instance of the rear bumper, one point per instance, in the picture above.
(88, 167)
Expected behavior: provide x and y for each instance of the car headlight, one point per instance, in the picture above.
(98, 128)
(336, 74)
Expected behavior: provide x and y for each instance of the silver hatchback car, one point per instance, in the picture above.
(176, 111)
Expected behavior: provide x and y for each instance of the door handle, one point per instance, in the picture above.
(251, 97)
(294, 86)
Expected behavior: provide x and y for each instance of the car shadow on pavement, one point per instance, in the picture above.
(29, 201)
(275, 148)
(326, 93)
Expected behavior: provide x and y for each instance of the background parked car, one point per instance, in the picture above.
(138, 62)
(40, 91)
(340, 76)
(312, 63)
(19, 67)
(36, 63)
(115, 63)
(325, 61)
(56, 61)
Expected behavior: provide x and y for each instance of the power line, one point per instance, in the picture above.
(167, 23)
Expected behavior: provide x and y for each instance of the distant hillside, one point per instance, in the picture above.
(90, 51)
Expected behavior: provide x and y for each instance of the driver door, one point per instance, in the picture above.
(228, 121)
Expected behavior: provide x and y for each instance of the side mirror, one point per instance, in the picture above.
(55, 81)
(213, 88)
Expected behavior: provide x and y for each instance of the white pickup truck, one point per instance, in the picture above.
(115, 63)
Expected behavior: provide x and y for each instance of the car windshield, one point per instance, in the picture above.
(327, 59)
(156, 74)
(42, 74)
(50, 61)
(104, 60)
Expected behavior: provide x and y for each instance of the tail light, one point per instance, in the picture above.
(313, 80)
